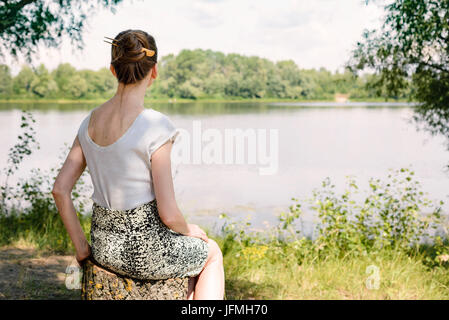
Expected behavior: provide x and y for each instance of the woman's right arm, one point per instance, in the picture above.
(167, 207)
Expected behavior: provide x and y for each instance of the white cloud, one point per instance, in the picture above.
(206, 13)
(314, 34)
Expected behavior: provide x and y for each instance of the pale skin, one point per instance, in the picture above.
(108, 123)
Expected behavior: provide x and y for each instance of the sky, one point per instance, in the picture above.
(313, 33)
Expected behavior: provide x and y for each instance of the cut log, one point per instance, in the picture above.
(100, 284)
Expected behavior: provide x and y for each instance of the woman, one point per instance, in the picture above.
(137, 228)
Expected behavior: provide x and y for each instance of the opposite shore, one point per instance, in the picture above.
(212, 100)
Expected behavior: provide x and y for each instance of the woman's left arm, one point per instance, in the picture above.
(70, 172)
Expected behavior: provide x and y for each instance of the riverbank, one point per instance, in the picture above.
(181, 100)
(28, 273)
(356, 255)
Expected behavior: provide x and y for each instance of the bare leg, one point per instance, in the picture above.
(210, 283)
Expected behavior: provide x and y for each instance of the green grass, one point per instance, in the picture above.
(39, 229)
(401, 276)
(264, 270)
(361, 258)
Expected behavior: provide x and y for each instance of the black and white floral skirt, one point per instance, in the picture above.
(137, 244)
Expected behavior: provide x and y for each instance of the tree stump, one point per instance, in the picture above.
(100, 284)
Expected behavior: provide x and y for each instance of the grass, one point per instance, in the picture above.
(40, 229)
(252, 271)
(40, 275)
(400, 277)
(351, 258)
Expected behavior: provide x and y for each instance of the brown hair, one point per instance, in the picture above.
(131, 64)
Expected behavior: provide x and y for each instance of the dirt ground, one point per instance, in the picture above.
(25, 274)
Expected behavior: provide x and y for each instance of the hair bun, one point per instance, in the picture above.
(134, 55)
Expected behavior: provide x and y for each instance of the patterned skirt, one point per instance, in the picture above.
(137, 244)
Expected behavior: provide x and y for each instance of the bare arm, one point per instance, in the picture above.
(167, 207)
(70, 172)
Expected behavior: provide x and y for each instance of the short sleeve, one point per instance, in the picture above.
(163, 132)
(82, 130)
(83, 126)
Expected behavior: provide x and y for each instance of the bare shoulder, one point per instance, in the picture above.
(99, 110)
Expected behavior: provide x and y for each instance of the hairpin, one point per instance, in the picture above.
(148, 52)
(111, 42)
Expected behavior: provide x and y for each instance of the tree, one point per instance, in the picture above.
(188, 90)
(77, 86)
(43, 84)
(199, 74)
(5, 80)
(410, 51)
(289, 71)
(22, 82)
(25, 23)
(63, 75)
(106, 81)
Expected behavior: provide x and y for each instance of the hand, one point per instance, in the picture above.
(81, 257)
(196, 232)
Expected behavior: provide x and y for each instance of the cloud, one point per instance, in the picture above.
(314, 34)
(206, 13)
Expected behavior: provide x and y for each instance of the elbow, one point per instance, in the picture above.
(58, 191)
(167, 220)
(55, 192)
(169, 215)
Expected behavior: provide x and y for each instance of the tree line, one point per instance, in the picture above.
(196, 74)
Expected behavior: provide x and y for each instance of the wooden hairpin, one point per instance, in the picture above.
(148, 52)
(111, 42)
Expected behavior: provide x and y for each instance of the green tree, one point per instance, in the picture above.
(22, 82)
(188, 90)
(26, 23)
(289, 71)
(43, 84)
(63, 75)
(410, 51)
(196, 74)
(215, 84)
(78, 86)
(103, 81)
(5, 81)
(276, 86)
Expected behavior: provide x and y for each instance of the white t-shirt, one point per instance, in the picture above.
(121, 171)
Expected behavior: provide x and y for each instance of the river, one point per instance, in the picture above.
(307, 144)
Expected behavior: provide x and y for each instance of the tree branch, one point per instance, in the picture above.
(10, 13)
(434, 66)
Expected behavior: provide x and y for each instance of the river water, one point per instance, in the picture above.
(298, 145)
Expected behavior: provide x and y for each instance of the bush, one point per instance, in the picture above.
(392, 215)
(28, 211)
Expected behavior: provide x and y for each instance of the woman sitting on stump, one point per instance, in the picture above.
(137, 228)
